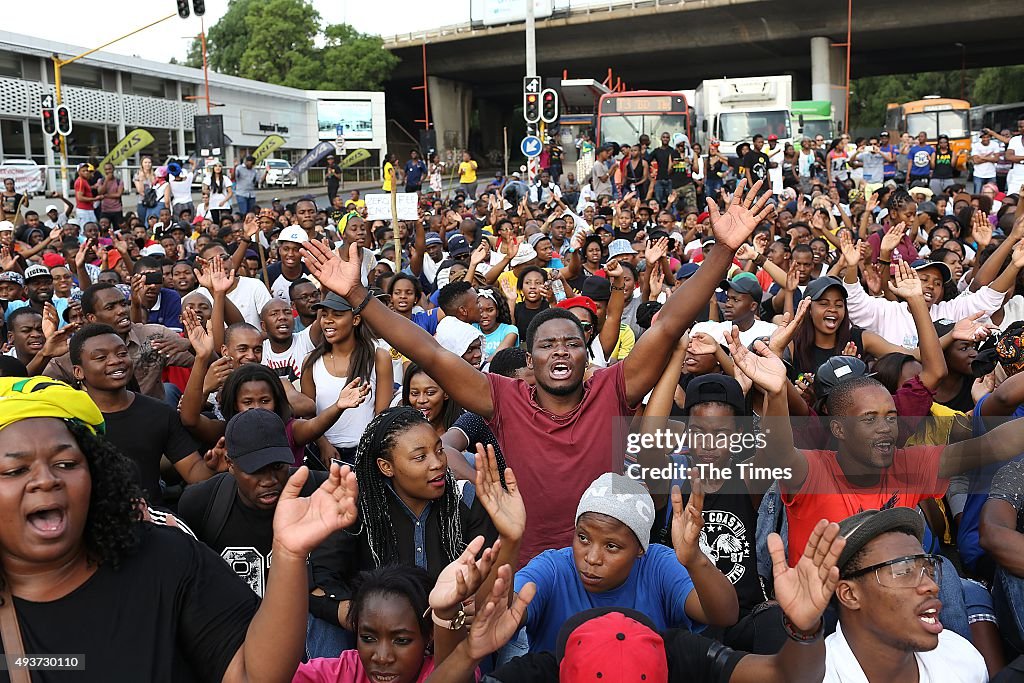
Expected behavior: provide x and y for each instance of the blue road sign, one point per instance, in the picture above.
(530, 146)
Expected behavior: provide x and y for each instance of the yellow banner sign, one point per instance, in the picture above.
(271, 143)
(132, 143)
(354, 157)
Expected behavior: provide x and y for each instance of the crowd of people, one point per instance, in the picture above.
(287, 442)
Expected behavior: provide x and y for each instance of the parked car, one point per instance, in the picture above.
(275, 173)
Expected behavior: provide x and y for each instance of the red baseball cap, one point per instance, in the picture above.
(53, 260)
(613, 647)
(578, 302)
(773, 136)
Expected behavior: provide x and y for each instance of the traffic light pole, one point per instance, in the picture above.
(58, 63)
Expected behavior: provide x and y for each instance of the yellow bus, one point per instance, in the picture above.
(934, 115)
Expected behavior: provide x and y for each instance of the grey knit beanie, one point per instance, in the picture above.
(621, 498)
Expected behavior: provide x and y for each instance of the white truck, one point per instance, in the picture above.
(733, 110)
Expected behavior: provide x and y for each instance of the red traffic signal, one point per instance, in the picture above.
(55, 143)
(49, 122)
(63, 120)
(531, 107)
(549, 106)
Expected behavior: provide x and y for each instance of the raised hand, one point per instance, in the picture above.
(905, 283)
(218, 373)
(462, 578)
(969, 329)
(216, 458)
(138, 284)
(198, 336)
(83, 250)
(792, 278)
(479, 254)
(56, 343)
(850, 250)
(353, 394)
(657, 279)
(746, 252)
(613, 269)
(702, 343)
(251, 226)
(577, 239)
(303, 523)
(688, 521)
(221, 280)
(1018, 254)
(872, 274)
(503, 503)
(850, 350)
(7, 259)
(742, 215)
(657, 251)
(512, 247)
(892, 238)
(804, 591)
(497, 621)
(203, 273)
(509, 291)
(336, 274)
(785, 332)
(51, 321)
(764, 368)
(761, 242)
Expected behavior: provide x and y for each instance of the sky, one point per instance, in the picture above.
(89, 24)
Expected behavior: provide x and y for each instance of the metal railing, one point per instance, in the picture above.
(476, 25)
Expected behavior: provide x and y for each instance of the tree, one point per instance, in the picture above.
(354, 61)
(275, 41)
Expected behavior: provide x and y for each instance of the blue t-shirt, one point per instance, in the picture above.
(657, 587)
(426, 319)
(168, 313)
(493, 340)
(58, 302)
(414, 171)
(889, 168)
(979, 481)
(920, 160)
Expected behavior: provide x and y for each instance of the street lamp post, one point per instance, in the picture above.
(58, 63)
(963, 67)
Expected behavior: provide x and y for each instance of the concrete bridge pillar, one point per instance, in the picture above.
(828, 75)
(450, 106)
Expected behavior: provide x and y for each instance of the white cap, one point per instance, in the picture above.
(293, 233)
(6, 226)
(153, 250)
(52, 207)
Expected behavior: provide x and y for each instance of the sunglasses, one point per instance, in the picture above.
(587, 327)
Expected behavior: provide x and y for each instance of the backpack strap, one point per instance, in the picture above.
(219, 507)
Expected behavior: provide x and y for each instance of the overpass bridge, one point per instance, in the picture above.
(475, 71)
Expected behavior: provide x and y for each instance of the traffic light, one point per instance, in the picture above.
(198, 7)
(49, 122)
(531, 107)
(183, 10)
(549, 106)
(63, 120)
(55, 143)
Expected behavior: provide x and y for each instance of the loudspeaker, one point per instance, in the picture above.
(209, 135)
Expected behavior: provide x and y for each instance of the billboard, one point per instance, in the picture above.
(494, 12)
(354, 116)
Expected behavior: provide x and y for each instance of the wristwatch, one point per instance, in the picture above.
(451, 624)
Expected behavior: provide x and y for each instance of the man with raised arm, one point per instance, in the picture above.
(559, 433)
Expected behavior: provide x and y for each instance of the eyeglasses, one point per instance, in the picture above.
(461, 257)
(904, 572)
(586, 326)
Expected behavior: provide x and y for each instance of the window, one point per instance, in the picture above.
(739, 126)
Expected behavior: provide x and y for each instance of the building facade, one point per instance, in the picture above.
(110, 95)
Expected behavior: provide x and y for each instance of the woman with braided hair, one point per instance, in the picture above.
(411, 511)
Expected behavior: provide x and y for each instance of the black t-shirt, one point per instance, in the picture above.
(821, 355)
(144, 432)
(524, 315)
(476, 431)
(728, 538)
(943, 165)
(963, 401)
(665, 156)
(757, 162)
(691, 658)
(171, 613)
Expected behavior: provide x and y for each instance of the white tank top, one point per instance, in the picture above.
(344, 433)
(181, 190)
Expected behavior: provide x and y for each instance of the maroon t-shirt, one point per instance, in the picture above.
(556, 457)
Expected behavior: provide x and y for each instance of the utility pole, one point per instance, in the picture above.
(531, 41)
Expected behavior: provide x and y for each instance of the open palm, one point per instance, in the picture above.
(462, 577)
(502, 500)
(905, 283)
(733, 227)
(336, 274)
(764, 368)
(687, 521)
(804, 591)
(303, 523)
(497, 621)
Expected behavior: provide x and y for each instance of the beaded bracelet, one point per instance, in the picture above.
(799, 636)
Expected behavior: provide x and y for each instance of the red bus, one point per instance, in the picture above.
(623, 117)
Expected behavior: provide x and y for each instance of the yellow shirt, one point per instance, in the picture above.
(467, 172)
(388, 168)
(509, 277)
(624, 344)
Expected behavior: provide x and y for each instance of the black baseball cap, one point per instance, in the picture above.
(597, 288)
(863, 527)
(332, 301)
(715, 388)
(835, 370)
(457, 245)
(744, 284)
(816, 288)
(255, 439)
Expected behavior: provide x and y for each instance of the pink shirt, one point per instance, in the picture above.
(347, 668)
(556, 457)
